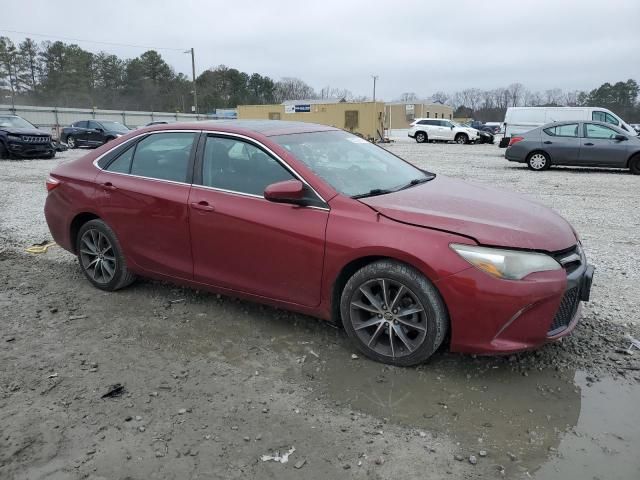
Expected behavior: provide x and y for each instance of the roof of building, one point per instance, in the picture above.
(313, 101)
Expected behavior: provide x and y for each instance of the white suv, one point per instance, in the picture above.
(426, 129)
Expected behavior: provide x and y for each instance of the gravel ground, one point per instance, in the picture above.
(212, 383)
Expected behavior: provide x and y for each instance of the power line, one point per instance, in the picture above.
(90, 41)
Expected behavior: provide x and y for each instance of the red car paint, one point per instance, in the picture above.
(292, 257)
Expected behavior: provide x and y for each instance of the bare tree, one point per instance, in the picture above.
(440, 97)
(515, 91)
(290, 88)
(553, 96)
(408, 97)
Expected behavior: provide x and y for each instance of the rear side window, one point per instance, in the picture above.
(568, 130)
(165, 156)
(604, 117)
(82, 124)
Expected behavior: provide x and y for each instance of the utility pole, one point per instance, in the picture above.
(193, 73)
(375, 77)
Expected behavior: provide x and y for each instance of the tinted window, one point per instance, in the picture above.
(238, 166)
(94, 125)
(164, 156)
(604, 117)
(122, 164)
(445, 124)
(423, 122)
(569, 130)
(82, 124)
(598, 131)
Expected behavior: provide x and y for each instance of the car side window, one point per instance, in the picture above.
(238, 166)
(423, 122)
(568, 130)
(122, 164)
(604, 117)
(592, 130)
(444, 123)
(164, 156)
(82, 124)
(94, 125)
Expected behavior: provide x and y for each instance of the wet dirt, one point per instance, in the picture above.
(245, 371)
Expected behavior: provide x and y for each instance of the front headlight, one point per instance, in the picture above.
(506, 264)
(15, 138)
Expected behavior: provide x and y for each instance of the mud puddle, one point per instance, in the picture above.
(548, 423)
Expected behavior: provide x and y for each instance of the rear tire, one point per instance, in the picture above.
(461, 139)
(421, 137)
(4, 154)
(101, 258)
(403, 326)
(538, 161)
(634, 165)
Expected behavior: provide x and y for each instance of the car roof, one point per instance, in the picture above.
(267, 128)
(565, 122)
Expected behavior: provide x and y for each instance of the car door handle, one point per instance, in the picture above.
(202, 205)
(589, 144)
(109, 186)
(548, 142)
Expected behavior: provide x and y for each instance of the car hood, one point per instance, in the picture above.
(489, 216)
(23, 131)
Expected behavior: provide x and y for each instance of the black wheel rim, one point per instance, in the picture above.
(97, 256)
(71, 142)
(388, 317)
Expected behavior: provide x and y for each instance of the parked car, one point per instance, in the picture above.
(593, 144)
(313, 219)
(92, 133)
(496, 126)
(484, 136)
(636, 127)
(21, 139)
(481, 127)
(519, 120)
(430, 129)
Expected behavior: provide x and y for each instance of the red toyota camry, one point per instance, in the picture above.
(313, 219)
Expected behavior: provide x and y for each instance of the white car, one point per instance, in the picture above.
(430, 129)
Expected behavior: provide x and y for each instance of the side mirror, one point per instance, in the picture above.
(451, 127)
(289, 191)
(620, 137)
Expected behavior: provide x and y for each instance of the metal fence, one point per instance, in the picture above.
(54, 118)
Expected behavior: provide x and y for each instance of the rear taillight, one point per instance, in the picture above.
(515, 140)
(52, 183)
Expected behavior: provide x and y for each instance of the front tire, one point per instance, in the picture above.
(462, 138)
(4, 154)
(421, 137)
(538, 161)
(71, 142)
(101, 258)
(393, 313)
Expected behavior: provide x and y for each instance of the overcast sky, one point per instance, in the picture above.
(413, 46)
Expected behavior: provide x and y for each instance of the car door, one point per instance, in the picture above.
(80, 131)
(562, 143)
(243, 242)
(95, 133)
(446, 130)
(143, 194)
(600, 147)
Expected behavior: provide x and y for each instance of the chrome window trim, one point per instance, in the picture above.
(250, 195)
(211, 132)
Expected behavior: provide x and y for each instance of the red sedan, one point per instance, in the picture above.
(313, 219)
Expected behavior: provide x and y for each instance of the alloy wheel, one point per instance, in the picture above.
(388, 317)
(71, 142)
(420, 137)
(537, 161)
(97, 256)
(461, 139)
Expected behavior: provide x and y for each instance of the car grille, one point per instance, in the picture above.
(35, 139)
(570, 259)
(567, 310)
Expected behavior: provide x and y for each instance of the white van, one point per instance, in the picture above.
(522, 119)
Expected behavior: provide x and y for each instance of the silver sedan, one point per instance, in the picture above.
(576, 143)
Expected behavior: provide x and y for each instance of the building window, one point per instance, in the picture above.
(436, 115)
(351, 119)
(274, 115)
(450, 117)
(428, 114)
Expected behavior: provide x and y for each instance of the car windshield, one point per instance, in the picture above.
(114, 126)
(350, 164)
(15, 122)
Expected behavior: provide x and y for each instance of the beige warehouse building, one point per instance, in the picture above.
(364, 118)
(400, 115)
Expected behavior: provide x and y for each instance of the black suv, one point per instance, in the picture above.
(19, 138)
(92, 133)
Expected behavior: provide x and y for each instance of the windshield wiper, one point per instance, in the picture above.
(373, 193)
(418, 181)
